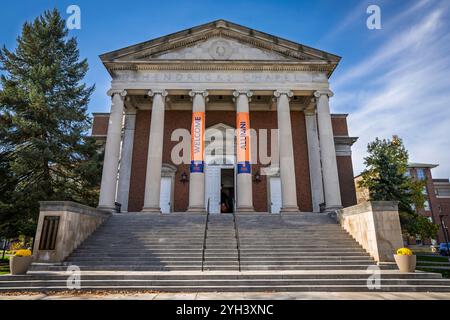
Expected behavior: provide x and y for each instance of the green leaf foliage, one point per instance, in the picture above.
(45, 153)
(386, 179)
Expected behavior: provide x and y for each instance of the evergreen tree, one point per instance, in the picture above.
(386, 179)
(44, 151)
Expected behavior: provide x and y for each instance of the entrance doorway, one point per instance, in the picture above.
(227, 190)
(220, 188)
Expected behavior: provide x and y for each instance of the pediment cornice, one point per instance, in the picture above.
(147, 55)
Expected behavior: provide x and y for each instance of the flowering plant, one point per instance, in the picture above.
(23, 253)
(404, 252)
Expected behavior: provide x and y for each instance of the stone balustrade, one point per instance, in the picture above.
(62, 227)
(375, 225)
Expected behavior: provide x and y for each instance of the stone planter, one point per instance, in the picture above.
(406, 263)
(19, 265)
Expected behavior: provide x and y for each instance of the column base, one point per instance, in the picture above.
(289, 209)
(151, 209)
(107, 208)
(195, 209)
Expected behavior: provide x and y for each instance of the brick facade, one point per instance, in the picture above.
(258, 120)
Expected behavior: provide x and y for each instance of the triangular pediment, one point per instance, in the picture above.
(219, 40)
(220, 48)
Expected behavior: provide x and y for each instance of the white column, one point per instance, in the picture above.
(315, 170)
(154, 156)
(126, 158)
(197, 173)
(112, 152)
(244, 194)
(286, 151)
(328, 152)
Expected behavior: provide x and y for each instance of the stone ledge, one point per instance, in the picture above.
(369, 206)
(71, 206)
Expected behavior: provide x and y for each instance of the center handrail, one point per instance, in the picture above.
(204, 235)
(236, 234)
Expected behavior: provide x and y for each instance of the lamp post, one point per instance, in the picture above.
(445, 231)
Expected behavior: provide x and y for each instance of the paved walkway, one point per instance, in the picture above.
(240, 296)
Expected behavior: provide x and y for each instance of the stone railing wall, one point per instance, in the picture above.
(375, 225)
(76, 223)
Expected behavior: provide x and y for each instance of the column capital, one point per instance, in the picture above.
(279, 93)
(319, 93)
(204, 93)
(163, 93)
(310, 112)
(237, 93)
(112, 92)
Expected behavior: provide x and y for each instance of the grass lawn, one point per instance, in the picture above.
(445, 273)
(422, 264)
(433, 258)
(4, 265)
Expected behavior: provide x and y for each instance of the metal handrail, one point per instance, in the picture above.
(204, 235)
(236, 234)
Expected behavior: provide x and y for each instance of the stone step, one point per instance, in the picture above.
(178, 251)
(226, 282)
(337, 274)
(213, 255)
(244, 288)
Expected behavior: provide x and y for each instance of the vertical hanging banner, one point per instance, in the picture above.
(243, 142)
(197, 142)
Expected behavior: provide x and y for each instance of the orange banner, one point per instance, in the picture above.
(197, 141)
(243, 142)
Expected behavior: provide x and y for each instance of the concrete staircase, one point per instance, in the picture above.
(139, 241)
(221, 246)
(301, 252)
(293, 242)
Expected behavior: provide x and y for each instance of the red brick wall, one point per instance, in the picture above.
(339, 126)
(139, 161)
(301, 161)
(177, 120)
(346, 182)
(258, 120)
(100, 125)
(262, 120)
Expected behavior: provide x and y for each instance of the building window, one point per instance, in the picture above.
(421, 174)
(426, 205)
(443, 192)
(408, 173)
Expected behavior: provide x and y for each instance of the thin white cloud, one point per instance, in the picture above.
(415, 36)
(404, 89)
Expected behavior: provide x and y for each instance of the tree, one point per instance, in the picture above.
(386, 179)
(45, 153)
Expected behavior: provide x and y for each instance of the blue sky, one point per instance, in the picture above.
(392, 81)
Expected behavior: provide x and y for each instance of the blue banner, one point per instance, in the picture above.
(197, 166)
(244, 167)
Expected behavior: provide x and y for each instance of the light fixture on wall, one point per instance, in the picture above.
(184, 178)
(257, 177)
